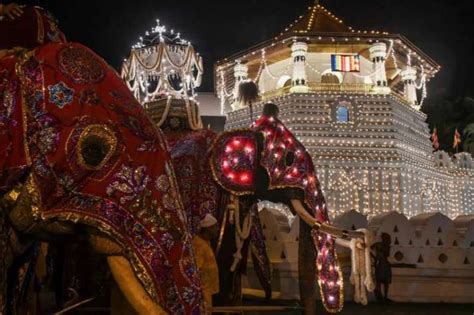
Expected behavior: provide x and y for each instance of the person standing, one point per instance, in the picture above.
(383, 268)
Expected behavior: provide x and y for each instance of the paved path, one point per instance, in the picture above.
(385, 309)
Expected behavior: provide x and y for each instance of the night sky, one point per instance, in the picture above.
(441, 28)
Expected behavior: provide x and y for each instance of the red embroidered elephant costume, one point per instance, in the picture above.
(70, 125)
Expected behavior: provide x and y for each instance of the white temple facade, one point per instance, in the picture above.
(362, 125)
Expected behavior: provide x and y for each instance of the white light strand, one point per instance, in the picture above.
(172, 64)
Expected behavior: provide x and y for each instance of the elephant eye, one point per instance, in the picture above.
(97, 143)
(289, 158)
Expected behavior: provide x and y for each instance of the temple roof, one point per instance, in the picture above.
(317, 20)
(321, 29)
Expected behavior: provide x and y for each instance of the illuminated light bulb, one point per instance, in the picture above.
(244, 177)
(225, 164)
(331, 298)
(236, 142)
(231, 175)
(228, 149)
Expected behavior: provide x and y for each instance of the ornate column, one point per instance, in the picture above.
(409, 77)
(240, 75)
(299, 81)
(378, 54)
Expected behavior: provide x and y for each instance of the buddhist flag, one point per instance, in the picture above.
(457, 139)
(345, 62)
(434, 139)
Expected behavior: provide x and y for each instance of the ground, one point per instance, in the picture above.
(384, 309)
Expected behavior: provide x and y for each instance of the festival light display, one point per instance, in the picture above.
(380, 159)
(162, 64)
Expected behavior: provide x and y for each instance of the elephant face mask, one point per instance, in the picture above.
(269, 145)
(93, 157)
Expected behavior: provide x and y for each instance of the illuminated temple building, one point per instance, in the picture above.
(353, 99)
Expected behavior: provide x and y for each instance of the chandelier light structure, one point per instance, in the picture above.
(162, 65)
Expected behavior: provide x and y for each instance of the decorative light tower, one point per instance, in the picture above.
(163, 71)
(162, 64)
(378, 55)
(408, 78)
(299, 80)
(240, 75)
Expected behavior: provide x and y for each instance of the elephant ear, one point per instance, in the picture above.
(234, 161)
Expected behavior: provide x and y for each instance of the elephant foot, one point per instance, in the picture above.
(132, 288)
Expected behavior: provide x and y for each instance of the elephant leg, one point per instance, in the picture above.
(307, 269)
(131, 287)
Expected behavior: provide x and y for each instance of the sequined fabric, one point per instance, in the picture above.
(234, 161)
(95, 158)
(190, 152)
(33, 28)
(261, 262)
(13, 164)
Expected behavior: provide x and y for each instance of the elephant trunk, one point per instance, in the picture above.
(321, 226)
(322, 256)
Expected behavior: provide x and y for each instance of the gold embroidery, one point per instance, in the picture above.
(102, 135)
(40, 26)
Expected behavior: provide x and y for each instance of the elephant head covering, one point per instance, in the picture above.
(33, 28)
(189, 145)
(288, 165)
(92, 156)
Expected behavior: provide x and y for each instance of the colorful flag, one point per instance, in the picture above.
(434, 139)
(345, 62)
(457, 139)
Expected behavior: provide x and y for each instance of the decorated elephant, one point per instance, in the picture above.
(229, 177)
(267, 162)
(80, 159)
(190, 148)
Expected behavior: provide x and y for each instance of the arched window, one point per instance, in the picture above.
(342, 114)
(283, 81)
(328, 76)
